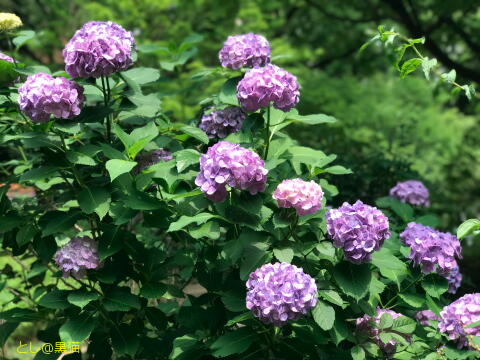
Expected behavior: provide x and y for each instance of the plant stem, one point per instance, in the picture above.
(106, 100)
(267, 134)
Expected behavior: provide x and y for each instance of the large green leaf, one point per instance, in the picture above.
(77, 328)
(389, 265)
(187, 220)
(353, 279)
(435, 285)
(94, 199)
(235, 342)
(117, 167)
(121, 300)
(81, 298)
(228, 92)
(56, 299)
(58, 221)
(186, 347)
(324, 315)
(467, 227)
(142, 75)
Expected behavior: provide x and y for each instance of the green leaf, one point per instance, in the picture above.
(185, 347)
(228, 92)
(357, 353)
(40, 173)
(153, 290)
(389, 265)
(77, 328)
(22, 37)
(185, 158)
(353, 279)
(210, 230)
(283, 255)
(7, 73)
(472, 325)
(255, 255)
(313, 119)
(239, 318)
(450, 76)
(435, 285)
(234, 300)
(125, 340)
(187, 220)
(9, 222)
(25, 234)
(386, 321)
(235, 342)
(82, 298)
(142, 75)
(96, 200)
(121, 300)
(410, 66)
(338, 170)
(56, 299)
(58, 221)
(404, 325)
(324, 315)
(414, 300)
(467, 227)
(195, 133)
(118, 167)
(76, 157)
(6, 329)
(427, 66)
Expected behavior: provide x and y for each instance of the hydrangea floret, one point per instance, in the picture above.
(220, 123)
(246, 50)
(304, 196)
(412, 192)
(425, 317)
(77, 256)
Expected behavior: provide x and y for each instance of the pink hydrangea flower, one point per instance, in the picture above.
(304, 196)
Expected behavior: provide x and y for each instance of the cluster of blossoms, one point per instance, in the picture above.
(459, 314)
(42, 95)
(270, 84)
(5, 57)
(151, 158)
(246, 50)
(98, 49)
(425, 317)
(369, 327)
(412, 192)
(280, 292)
(358, 229)
(454, 279)
(304, 196)
(220, 123)
(9, 21)
(16, 191)
(230, 164)
(434, 251)
(76, 257)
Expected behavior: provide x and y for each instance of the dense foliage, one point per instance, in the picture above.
(148, 238)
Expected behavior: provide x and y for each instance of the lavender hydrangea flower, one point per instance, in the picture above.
(246, 50)
(77, 256)
(304, 196)
(433, 250)
(220, 123)
(42, 95)
(5, 57)
(412, 192)
(456, 316)
(365, 326)
(98, 48)
(425, 317)
(280, 292)
(454, 279)
(230, 164)
(358, 229)
(270, 84)
(151, 158)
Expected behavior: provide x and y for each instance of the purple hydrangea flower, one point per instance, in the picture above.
(151, 158)
(456, 316)
(77, 256)
(6, 57)
(412, 192)
(98, 48)
(270, 84)
(358, 229)
(304, 196)
(280, 292)
(454, 279)
(247, 50)
(230, 164)
(433, 250)
(425, 317)
(220, 123)
(369, 327)
(42, 95)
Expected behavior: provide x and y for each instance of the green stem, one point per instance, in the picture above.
(267, 134)
(106, 100)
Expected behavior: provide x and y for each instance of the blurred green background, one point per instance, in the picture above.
(389, 128)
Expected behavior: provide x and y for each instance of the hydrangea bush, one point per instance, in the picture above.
(148, 236)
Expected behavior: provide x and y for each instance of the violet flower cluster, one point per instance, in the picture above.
(369, 327)
(459, 314)
(5, 57)
(454, 279)
(412, 192)
(304, 196)
(98, 49)
(270, 84)
(42, 95)
(151, 158)
(358, 229)
(76, 257)
(230, 164)
(220, 123)
(246, 50)
(425, 317)
(433, 251)
(280, 292)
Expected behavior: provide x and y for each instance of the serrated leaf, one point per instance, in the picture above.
(185, 158)
(414, 300)
(357, 353)
(427, 66)
(121, 300)
(187, 220)
(77, 328)
(56, 299)
(404, 325)
(409, 66)
(195, 133)
(354, 280)
(235, 342)
(118, 167)
(228, 92)
(94, 199)
(81, 298)
(283, 255)
(450, 76)
(324, 315)
(435, 285)
(153, 290)
(76, 157)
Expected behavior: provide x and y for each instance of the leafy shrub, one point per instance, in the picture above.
(144, 234)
